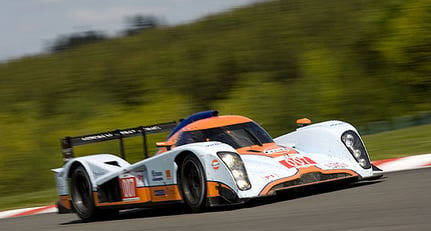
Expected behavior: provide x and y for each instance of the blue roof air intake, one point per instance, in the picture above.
(192, 118)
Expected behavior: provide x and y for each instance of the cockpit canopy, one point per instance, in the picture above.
(236, 135)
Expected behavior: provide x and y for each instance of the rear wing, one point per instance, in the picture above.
(68, 142)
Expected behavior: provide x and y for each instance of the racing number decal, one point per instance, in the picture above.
(297, 161)
(128, 188)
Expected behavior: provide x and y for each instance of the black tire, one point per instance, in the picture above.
(82, 194)
(192, 183)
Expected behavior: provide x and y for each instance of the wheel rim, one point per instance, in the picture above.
(193, 185)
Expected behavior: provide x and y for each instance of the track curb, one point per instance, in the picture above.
(404, 163)
(28, 211)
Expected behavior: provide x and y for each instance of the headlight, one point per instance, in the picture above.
(229, 160)
(236, 166)
(349, 140)
(357, 153)
(237, 173)
(243, 184)
(355, 146)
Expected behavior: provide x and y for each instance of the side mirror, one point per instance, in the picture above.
(303, 122)
(165, 144)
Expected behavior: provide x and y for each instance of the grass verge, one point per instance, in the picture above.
(398, 143)
(27, 200)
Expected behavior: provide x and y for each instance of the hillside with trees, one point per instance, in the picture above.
(276, 61)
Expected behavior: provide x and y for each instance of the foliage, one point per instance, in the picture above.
(77, 39)
(140, 22)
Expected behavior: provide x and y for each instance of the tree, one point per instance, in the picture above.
(408, 49)
(77, 39)
(139, 23)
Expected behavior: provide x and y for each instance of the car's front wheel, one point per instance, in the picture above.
(192, 183)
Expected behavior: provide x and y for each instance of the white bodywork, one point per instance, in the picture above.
(323, 142)
(320, 142)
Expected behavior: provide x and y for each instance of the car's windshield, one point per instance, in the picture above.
(237, 135)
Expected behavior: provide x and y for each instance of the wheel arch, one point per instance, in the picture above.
(75, 165)
(180, 157)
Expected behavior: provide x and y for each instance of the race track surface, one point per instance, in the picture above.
(401, 201)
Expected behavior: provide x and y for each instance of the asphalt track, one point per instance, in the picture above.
(400, 201)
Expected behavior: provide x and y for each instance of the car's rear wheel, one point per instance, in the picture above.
(82, 194)
(192, 183)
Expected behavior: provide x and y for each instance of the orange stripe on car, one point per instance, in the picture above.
(165, 193)
(65, 202)
(213, 188)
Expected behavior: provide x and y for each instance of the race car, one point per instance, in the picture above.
(208, 160)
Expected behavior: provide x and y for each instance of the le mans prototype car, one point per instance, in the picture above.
(208, 160)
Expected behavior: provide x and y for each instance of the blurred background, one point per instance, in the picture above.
(366, 62)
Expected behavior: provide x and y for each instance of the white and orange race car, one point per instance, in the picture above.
(209, 160)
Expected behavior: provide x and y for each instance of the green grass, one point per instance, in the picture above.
(27, 200)
(397, 143)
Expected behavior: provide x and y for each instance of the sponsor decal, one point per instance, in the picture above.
(270, 177)
(153, 128)
(215, 164)
(168, 175)
(157, 176)
(96, 137)
(128, 132)
(212, 144)
(336, 124)
(297, 161)
(281, 149)
(140, 178)
(159, 193)
(128, 188)
(336, 165)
